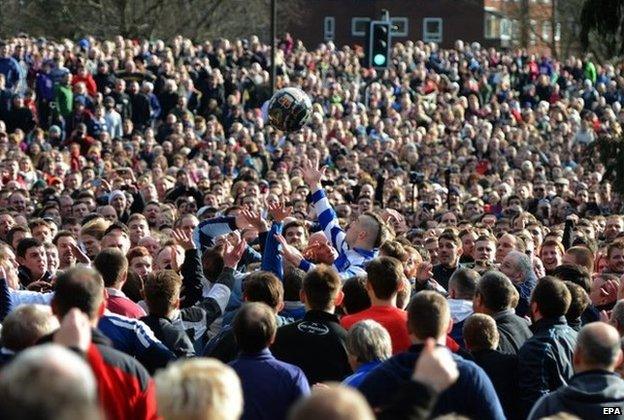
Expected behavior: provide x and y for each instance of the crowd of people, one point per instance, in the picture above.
(441, 237)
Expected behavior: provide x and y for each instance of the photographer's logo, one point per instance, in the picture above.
(612, 411)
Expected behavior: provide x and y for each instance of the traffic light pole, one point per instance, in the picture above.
(273, 42)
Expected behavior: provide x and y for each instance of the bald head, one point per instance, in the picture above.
(336, 402)
(597, 347)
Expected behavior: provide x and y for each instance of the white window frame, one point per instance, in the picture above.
(433, 36)
(492, 18)
(329, 28)
(355, 21)
(505, 29)
(547, 31)
(404, 21)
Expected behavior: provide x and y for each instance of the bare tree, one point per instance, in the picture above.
(196, 19)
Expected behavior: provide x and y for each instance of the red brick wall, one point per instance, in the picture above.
(462, 19)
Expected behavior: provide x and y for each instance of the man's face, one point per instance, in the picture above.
(295, 236)
(119, 203)
(468, 243)
(188, 224)
(353, 232)
(142, 266)
(448, 252)
(65, 252)
(432, 247)
(53, 259)
(117, 239)
(151, 244)
(80, 210)
(35, 260)
(18, 202)
(91, 245)
(42, 233)
(510, 269)
(151, 213)
(6, 223)
(138, 230)
(169, 258)
(109, 213)
(551, 257)
(616, 261)
(484, 251)
(505, 245)
(613, 228)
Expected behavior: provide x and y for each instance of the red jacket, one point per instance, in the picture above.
(125, 389)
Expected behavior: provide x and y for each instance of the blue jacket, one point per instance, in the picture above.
(270, 387)
(545, 360)
(11, 70)
(473, 394)
(271, 257)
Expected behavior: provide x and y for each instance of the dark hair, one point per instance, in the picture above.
(552, 297)
(254, 327)
(449, 235)
(110, 263)
(574, 273)
(293, 283)
(480, 332)
(25, 244)
(161, 290)
(385, 275)
(428, 315)
(583, 256)
(62, 234)
(212, 262)
(265, 287)
(78, 287)
(394, 249)
(579, 301)
(133, 286)
(464, 281)
(15, 229)
(497, 291)
(116, 226)
(321, 286)
(356, 297)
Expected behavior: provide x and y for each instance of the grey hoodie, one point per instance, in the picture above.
(588, 395)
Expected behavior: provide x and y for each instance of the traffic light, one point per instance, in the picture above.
(379, 44)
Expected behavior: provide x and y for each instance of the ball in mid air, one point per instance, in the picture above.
(289, 109)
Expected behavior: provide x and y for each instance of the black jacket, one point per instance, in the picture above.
(585, 396)
(545, 360)
(318, 334)
(502, 369)
(173, 336)
(442, 274)
(513, 331)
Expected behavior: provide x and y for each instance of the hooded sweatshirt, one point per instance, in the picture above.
(585, 396)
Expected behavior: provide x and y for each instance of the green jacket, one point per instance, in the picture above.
(64, 98)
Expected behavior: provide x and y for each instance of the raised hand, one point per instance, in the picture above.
(279, 211)
(289, 252)
(254, 219)
(75, 331)
(424, 272)
(183, 238)
(435, 367)
(80, 256)
(233, 253)
(312, 174)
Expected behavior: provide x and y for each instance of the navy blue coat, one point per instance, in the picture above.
(473, 394)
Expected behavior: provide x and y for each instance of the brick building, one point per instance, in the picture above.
(494, 23)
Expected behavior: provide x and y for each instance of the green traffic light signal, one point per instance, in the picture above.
(379, 59)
